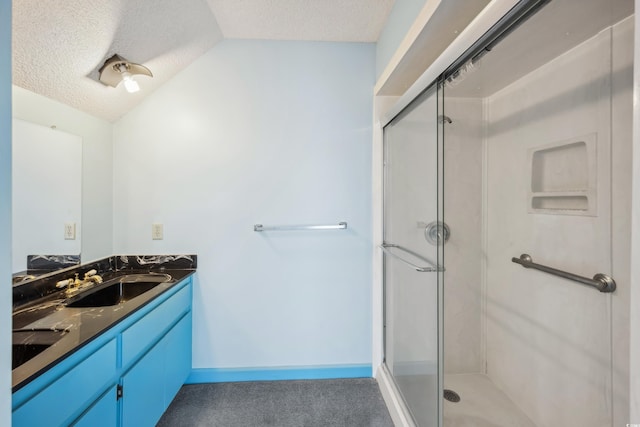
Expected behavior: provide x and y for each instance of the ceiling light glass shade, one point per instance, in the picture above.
(117, 69)
(129, 83)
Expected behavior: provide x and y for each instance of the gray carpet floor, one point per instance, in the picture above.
(317, 403)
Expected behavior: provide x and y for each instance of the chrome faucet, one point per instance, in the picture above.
(75, 285)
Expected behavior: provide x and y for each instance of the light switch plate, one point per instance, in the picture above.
(69, 231)
(157, 231)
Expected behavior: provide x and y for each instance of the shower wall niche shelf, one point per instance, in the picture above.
(563, 177)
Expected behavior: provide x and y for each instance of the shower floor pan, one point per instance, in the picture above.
(481, 404)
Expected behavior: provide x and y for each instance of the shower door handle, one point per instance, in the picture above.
(431, 268)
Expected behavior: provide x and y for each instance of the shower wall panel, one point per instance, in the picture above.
(463, 257)
(621, 153)
(549, 339)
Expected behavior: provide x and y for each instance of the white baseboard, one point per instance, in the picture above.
(397, 409)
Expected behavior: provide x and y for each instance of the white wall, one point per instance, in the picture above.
(5, 209)
(549, 340)
(46, 173)
(402, 16)
(97, 164)
(259, 132)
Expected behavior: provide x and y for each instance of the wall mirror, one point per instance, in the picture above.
(46, 197)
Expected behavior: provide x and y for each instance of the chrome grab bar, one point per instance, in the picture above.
(386, 247)
(600, 281)
(338, 226)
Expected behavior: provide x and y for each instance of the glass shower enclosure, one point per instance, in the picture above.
(522, 148)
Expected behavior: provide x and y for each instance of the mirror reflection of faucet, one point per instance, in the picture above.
(75, 285)
(18, 279)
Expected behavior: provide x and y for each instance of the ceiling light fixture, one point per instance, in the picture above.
(117, 69)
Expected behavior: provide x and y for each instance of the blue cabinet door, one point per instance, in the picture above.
(143, 390)
(177, 358)
(154, 380)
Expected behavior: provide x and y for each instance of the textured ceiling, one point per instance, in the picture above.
(58, 45)
(327, 20)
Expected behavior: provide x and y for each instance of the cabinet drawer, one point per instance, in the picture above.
(104, 413)
(72, 393)
(144, 333)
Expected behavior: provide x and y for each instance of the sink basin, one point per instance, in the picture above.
(28, 343)
(145, 277)
(124, 289)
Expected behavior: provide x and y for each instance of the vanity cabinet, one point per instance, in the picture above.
(127, 376)
(152, 383)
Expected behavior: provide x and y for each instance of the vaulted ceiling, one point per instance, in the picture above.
(59, 45)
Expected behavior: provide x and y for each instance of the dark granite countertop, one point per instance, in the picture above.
(46, 310)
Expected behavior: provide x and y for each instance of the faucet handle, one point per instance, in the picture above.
(63, 283)
(92, 276)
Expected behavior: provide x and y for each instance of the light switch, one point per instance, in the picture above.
(157, 231)
(69, 231)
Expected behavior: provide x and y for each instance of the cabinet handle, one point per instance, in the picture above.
(119, 392)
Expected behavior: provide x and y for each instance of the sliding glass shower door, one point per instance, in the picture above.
(411, 257)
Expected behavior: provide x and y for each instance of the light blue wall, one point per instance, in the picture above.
(259, 132)
(400, 19)
(5, 211)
